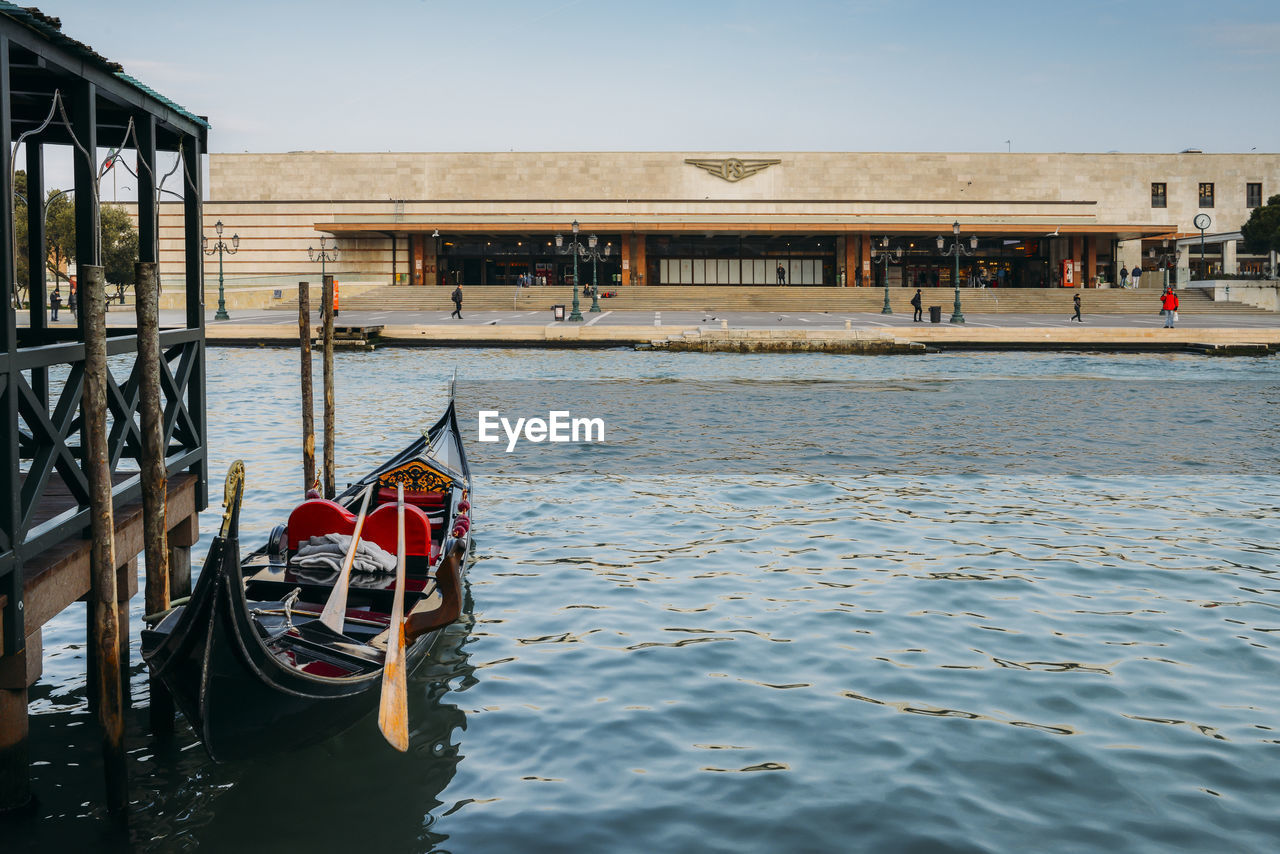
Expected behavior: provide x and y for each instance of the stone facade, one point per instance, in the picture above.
(280, 204)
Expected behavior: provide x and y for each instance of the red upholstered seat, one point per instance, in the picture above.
(426, 500)
(318, 517)
(380, 527)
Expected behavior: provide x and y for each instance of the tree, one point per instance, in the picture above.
(119, 245)
(119, 237)
(1262, 232)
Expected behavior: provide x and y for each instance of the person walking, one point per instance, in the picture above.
(1124, 277)
(1076, 301)
(1136, 276)
(55, 303)
(1169, 305)
(917, 304)
(782, 275)
(457, 302)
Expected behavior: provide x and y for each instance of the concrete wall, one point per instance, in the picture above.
(1263, 294)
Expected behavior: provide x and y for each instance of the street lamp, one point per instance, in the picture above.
(323, 254)
(1164, 260)
(595, 255)
(221, 248)
(955, 250)
(575, 250)
(884, 259)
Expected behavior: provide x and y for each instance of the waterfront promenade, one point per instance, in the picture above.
(642, 328)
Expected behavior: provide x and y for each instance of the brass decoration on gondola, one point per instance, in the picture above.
(731, 168)
(232, 489)
(416, 477)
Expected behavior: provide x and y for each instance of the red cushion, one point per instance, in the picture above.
(380, 527)
(317, 517)
(429, 500)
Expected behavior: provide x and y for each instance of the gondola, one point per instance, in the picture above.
(308, 634)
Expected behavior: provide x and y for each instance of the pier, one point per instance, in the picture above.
(103, 454)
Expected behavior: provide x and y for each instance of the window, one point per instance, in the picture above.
(1206, 195)
(1253, 195)
(1159, 196)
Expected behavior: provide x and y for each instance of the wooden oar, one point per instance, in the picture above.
(335, 610)
(393, 710)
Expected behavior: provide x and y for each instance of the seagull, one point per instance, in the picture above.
(1056, 229)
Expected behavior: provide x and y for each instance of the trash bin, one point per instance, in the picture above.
(935, 314)
(557, 312)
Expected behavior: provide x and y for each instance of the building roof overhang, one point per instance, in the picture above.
(924, 224)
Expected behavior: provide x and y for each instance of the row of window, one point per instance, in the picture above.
(1160, 194)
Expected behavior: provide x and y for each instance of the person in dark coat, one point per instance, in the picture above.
(1076, 301)
(918, 304)
(782, 275)
(55, 303)
(457, 302)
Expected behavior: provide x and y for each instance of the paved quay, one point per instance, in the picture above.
(737, 330)
(800, 329)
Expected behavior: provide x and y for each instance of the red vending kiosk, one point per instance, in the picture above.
(1068, 273)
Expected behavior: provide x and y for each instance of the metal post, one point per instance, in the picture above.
(104, 616)
(326, 312)
(155, 479)
(595, 280)
(576, 314)
(221, 313)
(308, 406)
(956, 316)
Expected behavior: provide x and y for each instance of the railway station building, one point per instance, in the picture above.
(734, 219)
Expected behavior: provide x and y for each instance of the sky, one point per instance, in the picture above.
(706, 75)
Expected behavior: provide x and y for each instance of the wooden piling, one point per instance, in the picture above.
(308, 411)
(155, 477)
(326, 311)
(102, 562)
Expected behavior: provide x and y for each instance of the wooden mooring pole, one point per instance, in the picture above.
(326, 312)
(308, 411)
(155, 477)
(104, 593)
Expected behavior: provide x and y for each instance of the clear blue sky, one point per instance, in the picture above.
(862, 75)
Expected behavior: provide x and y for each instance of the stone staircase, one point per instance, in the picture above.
(787, 299)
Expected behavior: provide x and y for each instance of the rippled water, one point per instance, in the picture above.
(964, 654)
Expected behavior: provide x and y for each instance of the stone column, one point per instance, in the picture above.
(1230, 266)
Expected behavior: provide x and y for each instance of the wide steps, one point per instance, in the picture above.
(788, 299)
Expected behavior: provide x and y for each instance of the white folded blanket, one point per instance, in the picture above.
(328, 551)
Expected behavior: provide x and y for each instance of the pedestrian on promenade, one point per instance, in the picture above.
(1076, 300)
(74, 302)
(1124, 277)
(1136, 275)
(457, 302)
(55, 303)
(782, 275)
(1169, 305)
(917, 303)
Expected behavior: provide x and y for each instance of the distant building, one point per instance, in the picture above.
(731, 218)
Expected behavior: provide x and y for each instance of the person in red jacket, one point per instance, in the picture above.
(1169, 305)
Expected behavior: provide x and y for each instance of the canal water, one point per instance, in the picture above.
(950, 603)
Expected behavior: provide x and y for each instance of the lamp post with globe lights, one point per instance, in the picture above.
(221, 248)
(955, 250)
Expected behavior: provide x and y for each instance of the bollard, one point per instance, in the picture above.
(308, 410)
(103, 594)
(155, 479)
(848, 325)
(724, 324)
(657, 318)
